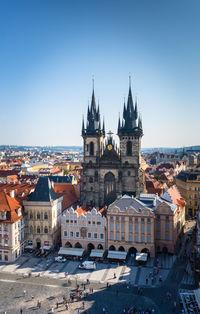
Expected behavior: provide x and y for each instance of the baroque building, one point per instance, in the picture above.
(107, 171)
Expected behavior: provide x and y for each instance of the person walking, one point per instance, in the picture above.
(114, 276)
(24, 293)
(83, 304)
(57, 304)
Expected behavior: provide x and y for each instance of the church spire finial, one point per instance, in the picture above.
(129, 80)
(93, 83)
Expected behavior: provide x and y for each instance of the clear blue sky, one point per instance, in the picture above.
(50, 50)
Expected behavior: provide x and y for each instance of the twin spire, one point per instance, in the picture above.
(131, 121)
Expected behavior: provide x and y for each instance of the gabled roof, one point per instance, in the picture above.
(126, 201)
(10, 206)
(44, 191)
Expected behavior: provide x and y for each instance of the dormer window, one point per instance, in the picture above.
(3, 216)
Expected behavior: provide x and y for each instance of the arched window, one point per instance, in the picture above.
(31, 215)
(38, 229)
(31, 229)
(46, 230)
(91, 180)
(129, 148)
(45, 216)
(91, 149)
(38, 216)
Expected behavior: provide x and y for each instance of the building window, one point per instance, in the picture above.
(136, 219)
(129, 173)
(158, 235)
(101, 236)
(123, 219)
(129, 148)
(130, 237)
(142, 228)
(158, 225)
(167, 227)
(166, 236)
(142, 239)
(148, 239)
(111, 226)
(98, 222)
(158, 217)
(136, 238)
(6, 257)
(45, 216)
(77, 234)
(117, 236)
(123, 236)
(31, 229)
(91, 180)
(130, 227)
(46, 230)
(149, 228)
(0, 257)
(93, 222)
(91, 149)
(71, 234)
(148, 219)
(67, 221)
(123, 227)
(130, 219)
(136, 228)
(117, 226)
(167, 218)
(31, 215)
(65, 234)
(89, 235)
(95, 235)
(111, 236)
(142, 219)
(38, 216)
(117, 218)
(38, 229)
(111, 218)
(6, 228)
(6, 241)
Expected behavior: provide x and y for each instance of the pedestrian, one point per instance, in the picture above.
(107, 284)
(52, 310)
(114, 276)
(146, 281)
(66, 306)
(21, 311)
(32, 297)
(24, 293)
(152, 280)
(57, 304)
(83, 304)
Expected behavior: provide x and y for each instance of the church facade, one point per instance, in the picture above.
(109, 172)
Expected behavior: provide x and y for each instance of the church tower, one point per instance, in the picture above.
(93, 137)
(130, 133)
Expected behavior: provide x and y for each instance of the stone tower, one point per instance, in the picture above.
(106, 172)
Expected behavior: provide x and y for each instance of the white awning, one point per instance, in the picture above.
(46, 247)
(71, 251)
(97, 253)
(141, 257)
(117, 255)
(29, 247)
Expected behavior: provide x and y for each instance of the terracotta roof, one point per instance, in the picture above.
(9, 205)
(80, 211)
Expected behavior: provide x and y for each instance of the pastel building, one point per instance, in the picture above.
(12, 227)
(84, 229)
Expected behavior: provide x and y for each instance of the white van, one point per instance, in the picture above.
(88, 265)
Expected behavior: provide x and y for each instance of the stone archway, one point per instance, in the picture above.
(100, 247)
(132, 250)
(68, 244)
(121, 249)
(145, 250)
(78, 245)
(38, 243)
(165, 250)
(112, 248)
(90, 246)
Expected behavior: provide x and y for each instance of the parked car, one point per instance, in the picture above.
(88, 265)
(60, 259)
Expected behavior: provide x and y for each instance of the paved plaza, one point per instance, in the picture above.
(129, 274)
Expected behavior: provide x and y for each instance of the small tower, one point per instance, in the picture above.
(93, 135)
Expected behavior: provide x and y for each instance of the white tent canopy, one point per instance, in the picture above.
(141, 257)
(117, 255)
(46, 247)
(97, 253)
(71, 251)
(29, 247)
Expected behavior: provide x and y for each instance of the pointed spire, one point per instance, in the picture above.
(140, 123)
(124, 111)
(93, 102)
(119, 123)
(136, 109)
(83, 126)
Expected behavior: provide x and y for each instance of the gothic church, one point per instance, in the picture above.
(109, 172)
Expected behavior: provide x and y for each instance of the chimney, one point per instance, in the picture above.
(12, 193)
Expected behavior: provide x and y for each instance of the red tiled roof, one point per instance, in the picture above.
(9, 205)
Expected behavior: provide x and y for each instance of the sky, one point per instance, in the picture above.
(50, 50)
